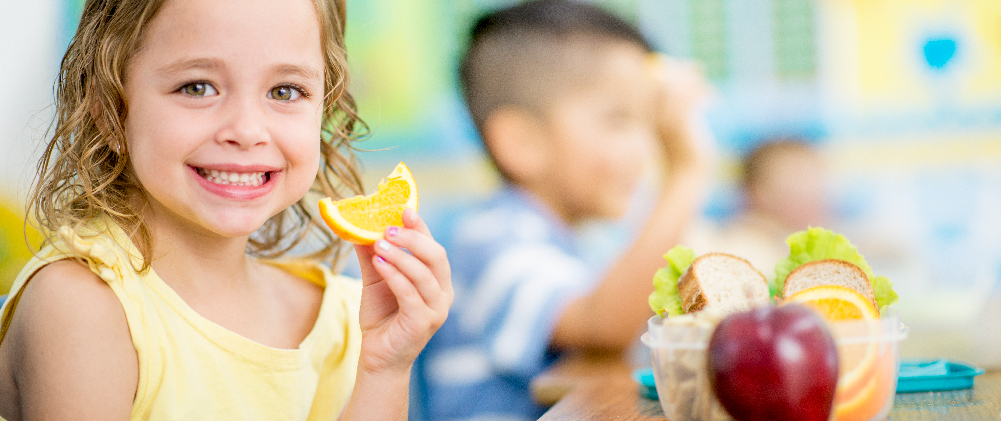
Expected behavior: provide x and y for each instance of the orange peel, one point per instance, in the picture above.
(364, 219)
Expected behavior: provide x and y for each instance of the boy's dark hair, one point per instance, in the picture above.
(759, 161)
(519, 55)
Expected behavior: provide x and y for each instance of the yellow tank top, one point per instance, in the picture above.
(191, 368)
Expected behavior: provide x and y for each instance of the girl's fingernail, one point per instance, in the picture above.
(383, 244)
(380, 259)
(392, 231)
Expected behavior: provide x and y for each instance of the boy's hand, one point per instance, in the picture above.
(405, 298)
(683, 96)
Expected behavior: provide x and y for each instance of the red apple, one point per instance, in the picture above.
(774, 363)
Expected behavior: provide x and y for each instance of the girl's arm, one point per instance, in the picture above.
(405, 299)
(68, 350)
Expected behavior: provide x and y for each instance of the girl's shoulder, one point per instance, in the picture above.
(73, 273)
(320, 308)
(67, 287)
(311, 283)
(69, 334)
(69, 296)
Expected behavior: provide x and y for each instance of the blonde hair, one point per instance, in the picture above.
(84, 171)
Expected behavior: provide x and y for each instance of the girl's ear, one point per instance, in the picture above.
(516, 141)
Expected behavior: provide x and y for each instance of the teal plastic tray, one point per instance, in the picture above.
(914, 376)
(935, 375)
(648, 387)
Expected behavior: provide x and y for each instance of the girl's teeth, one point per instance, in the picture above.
(252, 179)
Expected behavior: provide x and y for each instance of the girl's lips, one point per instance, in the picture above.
(237, 183)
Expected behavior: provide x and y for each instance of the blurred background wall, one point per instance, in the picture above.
(903, 97)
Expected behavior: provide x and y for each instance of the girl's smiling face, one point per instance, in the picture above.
(224, 112)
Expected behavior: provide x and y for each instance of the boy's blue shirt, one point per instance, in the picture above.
(515, 267)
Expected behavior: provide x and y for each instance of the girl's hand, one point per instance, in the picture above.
(405, 298)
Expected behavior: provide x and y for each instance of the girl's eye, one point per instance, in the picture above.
(199, 89)
(285, 93)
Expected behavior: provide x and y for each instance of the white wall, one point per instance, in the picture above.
(30, 44)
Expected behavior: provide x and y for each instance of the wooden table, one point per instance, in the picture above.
(600, 387)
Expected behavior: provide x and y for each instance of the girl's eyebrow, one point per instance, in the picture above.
(198, 63)
(306, 72)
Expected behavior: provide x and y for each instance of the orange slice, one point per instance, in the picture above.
(363, 219)
(871, 399)
(851, 317)
(836, 303)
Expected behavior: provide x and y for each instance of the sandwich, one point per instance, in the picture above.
(729, 284)
(717, 281)
(829, 272)
(821, 257)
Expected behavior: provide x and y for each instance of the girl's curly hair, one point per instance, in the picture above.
(85, 172)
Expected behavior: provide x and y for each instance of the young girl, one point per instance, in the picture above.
(188, 134)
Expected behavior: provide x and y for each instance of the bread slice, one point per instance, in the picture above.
(723, 282)
(829, 272)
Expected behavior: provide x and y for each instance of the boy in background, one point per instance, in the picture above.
(570, 103)
(784, 184)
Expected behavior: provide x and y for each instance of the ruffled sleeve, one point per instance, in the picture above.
(103, 257)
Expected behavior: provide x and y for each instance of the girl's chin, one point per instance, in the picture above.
(236, 227)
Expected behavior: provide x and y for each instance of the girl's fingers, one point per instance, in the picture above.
(407, 296)
(423, 247)
(413, 269)
(413, 221)
(365, 254)
(426, 266)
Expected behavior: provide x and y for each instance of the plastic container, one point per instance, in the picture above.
(869, 358)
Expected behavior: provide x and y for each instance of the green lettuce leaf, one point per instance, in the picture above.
(883, 289)
(818, 244)
(665, 298)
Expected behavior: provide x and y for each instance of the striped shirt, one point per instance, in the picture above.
(515, 267)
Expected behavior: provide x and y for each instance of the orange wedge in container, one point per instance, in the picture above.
(836, 303)
(364, 219)
(862, 382)
(869, 400)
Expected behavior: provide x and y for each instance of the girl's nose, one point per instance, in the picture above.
(245, 124)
